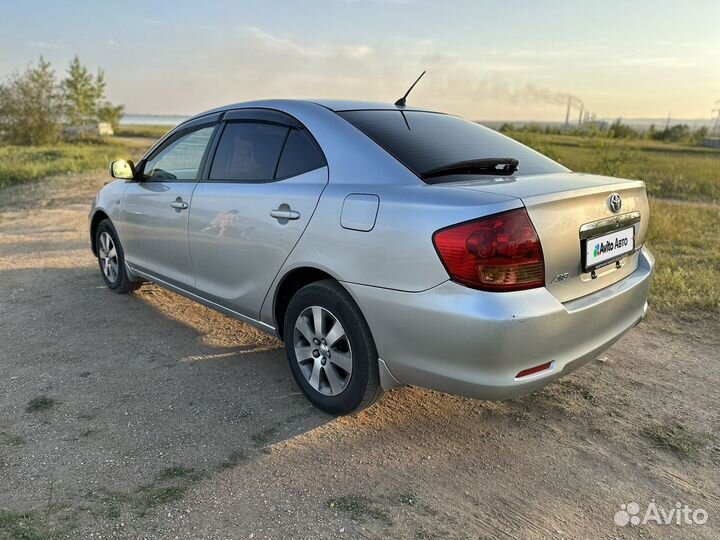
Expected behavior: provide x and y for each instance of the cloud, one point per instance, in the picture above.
(271, 43)
(46, 45)
(254, 63)
(658, 62)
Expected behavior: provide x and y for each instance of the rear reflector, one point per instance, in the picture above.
(501, 252)
(534, 370)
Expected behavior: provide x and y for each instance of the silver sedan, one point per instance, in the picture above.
(385, 244)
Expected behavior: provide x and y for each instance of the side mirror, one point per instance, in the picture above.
(122, 169)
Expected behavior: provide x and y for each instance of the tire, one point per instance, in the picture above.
(339, 374)
(111, 259)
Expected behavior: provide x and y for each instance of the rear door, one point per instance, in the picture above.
(253, 204)
(154, 211)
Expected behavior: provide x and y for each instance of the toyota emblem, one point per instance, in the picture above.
(615, 202)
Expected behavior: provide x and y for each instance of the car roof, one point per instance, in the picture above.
(339, 105)
(336, 105)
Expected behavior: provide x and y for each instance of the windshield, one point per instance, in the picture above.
(425, 141)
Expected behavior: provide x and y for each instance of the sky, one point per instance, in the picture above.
(486, 60)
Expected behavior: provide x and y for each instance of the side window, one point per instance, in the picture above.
(179, 160)
(248, 152)
(300, 155)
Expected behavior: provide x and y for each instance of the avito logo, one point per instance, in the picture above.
(607, 246)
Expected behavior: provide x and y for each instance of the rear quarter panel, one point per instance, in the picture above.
(398, 253)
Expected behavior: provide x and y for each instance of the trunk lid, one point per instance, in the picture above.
(560, 207)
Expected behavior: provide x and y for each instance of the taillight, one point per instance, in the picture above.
(501, 252)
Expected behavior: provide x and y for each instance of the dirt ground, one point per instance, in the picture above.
(149, 416)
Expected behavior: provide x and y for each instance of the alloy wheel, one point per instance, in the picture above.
(107, 253)
(322, 350)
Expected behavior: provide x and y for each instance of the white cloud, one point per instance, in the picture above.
(46, 45)
(658, 62)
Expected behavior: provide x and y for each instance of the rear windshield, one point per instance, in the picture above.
(424, 141)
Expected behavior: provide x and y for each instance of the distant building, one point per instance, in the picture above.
(712, 142)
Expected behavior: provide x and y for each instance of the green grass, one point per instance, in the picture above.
(682, 237)
(22, 526)
(669, 170)
(169, 485)
(26, 163)
(141, 130)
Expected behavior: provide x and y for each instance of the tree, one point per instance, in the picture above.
(83, 94)
(31, 106)
(618, 130)
(112, 114)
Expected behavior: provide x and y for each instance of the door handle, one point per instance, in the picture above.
(179, 204)
(285, 213)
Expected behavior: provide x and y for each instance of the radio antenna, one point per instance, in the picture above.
(401, 102)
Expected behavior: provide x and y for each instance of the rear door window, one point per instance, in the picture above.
(248, 152)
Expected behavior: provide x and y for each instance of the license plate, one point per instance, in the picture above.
(608, 248)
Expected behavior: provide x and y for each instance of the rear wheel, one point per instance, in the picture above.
(330, 349)
(111, 259)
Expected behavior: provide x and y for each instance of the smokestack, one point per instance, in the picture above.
(567, 113)
(580, 116)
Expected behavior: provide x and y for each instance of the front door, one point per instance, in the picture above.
(262, 189)
(154, 214)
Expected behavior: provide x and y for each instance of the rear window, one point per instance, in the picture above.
(424, 141)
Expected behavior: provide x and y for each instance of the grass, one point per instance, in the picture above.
(682, 237)
(572, 397)
(26, 163)
(235, 458)
(265, 436)
(676, 437)
(39, 404)
(22, 526)
(141, 130)
(358, 508)
(169, 485)
(669, 170)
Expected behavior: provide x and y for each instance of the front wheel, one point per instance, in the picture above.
(111, 259)
(330, 349)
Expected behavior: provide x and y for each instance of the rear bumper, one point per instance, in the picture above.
(472, 343)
